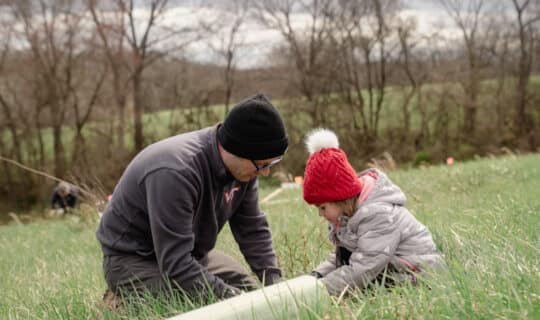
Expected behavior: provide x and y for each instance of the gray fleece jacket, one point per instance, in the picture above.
(381, 233)
(172, 201)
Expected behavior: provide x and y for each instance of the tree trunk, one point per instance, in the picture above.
(12, 129)
(41, 143)
(524, 123)
(121, 131)
(59, 162)
(470, 108)
(137, 112)
(79, 156)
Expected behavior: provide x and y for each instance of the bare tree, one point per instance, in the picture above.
(23, 102)
(51, 32)
(347, 35)
(9, 117)
(527, 25)
(230, 43)
(7, 107)
(499, 98)
(146, 41)
(41, 82)
(414, 69)
(305, 45)
(112, 34)
(382, 31)
(362, 35)
(471, 19)
(85, 97)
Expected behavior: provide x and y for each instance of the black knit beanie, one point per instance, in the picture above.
(254, 130)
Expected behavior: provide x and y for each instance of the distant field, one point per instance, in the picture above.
(484, 215)
(161, 124)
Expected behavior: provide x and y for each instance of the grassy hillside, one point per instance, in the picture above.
(484, 216)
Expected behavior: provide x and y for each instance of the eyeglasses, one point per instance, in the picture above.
(266, 165)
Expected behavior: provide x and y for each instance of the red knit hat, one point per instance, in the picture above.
(329, 177)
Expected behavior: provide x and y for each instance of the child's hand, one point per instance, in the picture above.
(316, 274)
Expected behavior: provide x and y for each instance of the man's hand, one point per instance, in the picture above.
(271, 278)
(229, 291)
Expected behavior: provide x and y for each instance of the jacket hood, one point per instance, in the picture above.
(383, 197)
(384, 191)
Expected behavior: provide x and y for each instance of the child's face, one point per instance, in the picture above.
(330, 211)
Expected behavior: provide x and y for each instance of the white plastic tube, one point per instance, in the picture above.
(285, 300)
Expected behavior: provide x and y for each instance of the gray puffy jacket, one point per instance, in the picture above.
(381, 233)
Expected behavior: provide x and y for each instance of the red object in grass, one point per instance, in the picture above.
(449, 161)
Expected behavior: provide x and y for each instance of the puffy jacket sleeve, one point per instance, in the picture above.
(252, 233)
(171, 203)
(328, 265)
(376, 245)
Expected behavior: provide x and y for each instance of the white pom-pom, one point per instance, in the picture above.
(320, 139)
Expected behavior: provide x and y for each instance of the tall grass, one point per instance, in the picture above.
(484, 216)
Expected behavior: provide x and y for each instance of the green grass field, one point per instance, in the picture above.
(484, 215)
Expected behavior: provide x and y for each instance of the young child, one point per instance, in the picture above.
(372, 230)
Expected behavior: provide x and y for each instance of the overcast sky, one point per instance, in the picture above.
(429, 16)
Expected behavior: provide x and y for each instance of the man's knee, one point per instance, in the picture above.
(230, 270)
(128, 274)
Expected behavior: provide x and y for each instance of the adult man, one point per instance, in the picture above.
(160, 227)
